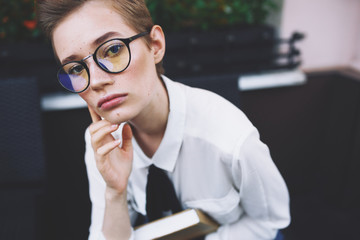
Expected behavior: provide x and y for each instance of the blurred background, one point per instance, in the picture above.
(293, 67)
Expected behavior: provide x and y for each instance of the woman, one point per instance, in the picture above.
(111, 55)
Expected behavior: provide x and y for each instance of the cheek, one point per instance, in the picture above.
(86, 97)
(142, 61)
(142, 70)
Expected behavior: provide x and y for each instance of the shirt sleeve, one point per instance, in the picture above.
(263, 194)
(97, 188)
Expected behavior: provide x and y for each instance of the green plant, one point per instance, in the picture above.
(175, 15)
(17, 21)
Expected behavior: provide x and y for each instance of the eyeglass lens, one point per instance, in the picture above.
(112, 56)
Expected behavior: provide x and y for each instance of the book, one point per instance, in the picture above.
(187, 224)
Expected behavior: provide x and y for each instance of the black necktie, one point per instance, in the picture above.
(160, 194)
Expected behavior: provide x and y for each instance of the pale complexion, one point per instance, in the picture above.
(140, 99)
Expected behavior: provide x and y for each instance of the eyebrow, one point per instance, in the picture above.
(69, 59)
(104, 37)
(95, 43)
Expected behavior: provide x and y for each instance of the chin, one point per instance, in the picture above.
(117, 117)
(115, 120)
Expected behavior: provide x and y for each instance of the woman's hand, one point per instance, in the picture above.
(113, 162)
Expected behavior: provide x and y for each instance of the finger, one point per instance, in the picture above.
(94, 116)
(94, 127)
(103, 135)
(127, 136)
(107, 148)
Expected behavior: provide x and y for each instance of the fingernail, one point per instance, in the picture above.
(114, 126)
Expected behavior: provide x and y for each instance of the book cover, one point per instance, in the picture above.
(187, 224)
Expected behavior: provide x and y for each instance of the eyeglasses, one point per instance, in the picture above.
(112, 56)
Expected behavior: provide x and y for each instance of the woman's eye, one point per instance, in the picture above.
(113, 50)
(76, 70)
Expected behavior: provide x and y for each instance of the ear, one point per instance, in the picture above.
(157, 43)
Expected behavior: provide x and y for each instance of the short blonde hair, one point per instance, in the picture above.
(134, 12)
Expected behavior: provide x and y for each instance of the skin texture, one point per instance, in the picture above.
(143, 101)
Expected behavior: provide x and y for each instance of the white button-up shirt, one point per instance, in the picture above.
(217, 163)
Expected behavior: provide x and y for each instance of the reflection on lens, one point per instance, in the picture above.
(79, 83)
(73, 77)
(113, 56)
(105, 64)
(66, 81)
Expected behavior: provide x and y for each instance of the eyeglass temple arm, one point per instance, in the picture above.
(138, 36)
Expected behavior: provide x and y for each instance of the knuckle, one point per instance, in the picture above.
(92, 129)
(100, 152)
(93, 144)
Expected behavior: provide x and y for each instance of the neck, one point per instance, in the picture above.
(149, 126)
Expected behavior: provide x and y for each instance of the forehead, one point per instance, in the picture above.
(77, 32)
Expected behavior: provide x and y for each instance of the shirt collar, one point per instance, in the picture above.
(166, 155)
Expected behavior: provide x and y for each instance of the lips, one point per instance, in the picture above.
(111, 101)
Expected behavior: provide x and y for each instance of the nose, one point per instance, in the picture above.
(98, 77)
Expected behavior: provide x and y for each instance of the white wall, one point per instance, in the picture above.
(356, 61)
(332, 29)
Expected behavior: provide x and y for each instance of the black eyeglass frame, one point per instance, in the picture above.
(126, 41)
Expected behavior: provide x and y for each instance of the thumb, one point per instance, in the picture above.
(126, 137)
